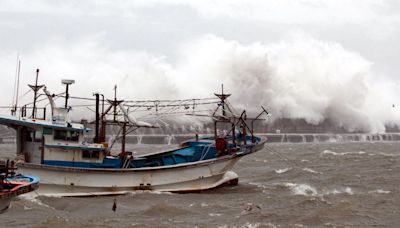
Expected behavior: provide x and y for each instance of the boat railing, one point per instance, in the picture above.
(24, 112)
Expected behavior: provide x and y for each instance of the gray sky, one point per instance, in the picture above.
(150, 47)
(368, 27)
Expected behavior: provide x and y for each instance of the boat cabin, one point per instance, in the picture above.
(49, 143)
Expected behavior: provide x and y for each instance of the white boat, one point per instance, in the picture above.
(56, 150)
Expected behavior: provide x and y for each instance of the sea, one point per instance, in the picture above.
(331, 184)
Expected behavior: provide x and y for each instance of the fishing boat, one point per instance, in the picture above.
(68, 164)
(12, 185)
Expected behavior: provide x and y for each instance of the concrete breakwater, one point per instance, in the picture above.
(272, 138)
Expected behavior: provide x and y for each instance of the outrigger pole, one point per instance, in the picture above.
(127, 122)
(228, 116)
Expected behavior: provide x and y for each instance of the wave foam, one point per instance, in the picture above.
(342, 153)
(335, 191)
(302, 189)
(311, 171)
(308, 190)
(380, 191)
(280, 171)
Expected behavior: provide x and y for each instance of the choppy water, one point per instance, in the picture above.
(285, 185)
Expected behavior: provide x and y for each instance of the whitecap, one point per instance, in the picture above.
(349, 191)
(388, 154)
(258, 185)
(311, 170)
(342, 190)
(279, 171)
(256, 225)
(380, 191)
(302, 189)
(250, 225)
(342, 153)
(329, 152)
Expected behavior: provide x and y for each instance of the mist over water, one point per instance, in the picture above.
(297, 77)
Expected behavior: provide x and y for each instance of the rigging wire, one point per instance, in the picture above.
(174, 113)
(171, 105)
(177, 100)
(10, 106)
(142, 101)
(45, 98)
(288, 161)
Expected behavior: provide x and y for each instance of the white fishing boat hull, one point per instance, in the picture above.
(190, 177)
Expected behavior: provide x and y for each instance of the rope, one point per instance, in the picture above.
(203, 155)
(288, 161)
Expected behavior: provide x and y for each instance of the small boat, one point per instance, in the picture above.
(12, 185)
(58, 151)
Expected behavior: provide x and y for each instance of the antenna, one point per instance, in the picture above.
(16, 87)
(16, 97)
(67, 82)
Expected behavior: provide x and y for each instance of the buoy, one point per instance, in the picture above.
(114, 207)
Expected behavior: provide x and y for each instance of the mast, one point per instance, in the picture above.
(114, 109)
(35, 89)
(115, 103)
(102, 136)
(113, 106)
(96, 137)
(223, 97)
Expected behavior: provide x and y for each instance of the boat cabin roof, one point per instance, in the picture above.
(33, 123)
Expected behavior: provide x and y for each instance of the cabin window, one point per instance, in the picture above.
(72, 136)
(38, 136)
(90, 154)
(59, 134)
(47, 131)
(66, 135)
